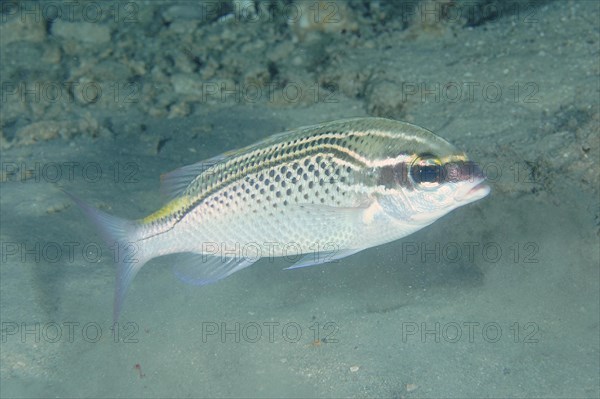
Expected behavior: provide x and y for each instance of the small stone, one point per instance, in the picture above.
(26, 30)
(411, 387)
(383, 99)
(184, 11)
(86, 32)
(57, 208)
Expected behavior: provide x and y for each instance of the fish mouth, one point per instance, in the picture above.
(479, 189)
(474, 192)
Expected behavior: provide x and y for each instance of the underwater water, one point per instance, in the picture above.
(499, 298)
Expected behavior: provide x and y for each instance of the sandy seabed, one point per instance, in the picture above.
(497, 299)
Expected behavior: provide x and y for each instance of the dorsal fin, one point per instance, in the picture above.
(174, 183)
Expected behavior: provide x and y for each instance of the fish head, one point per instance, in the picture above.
(427, 186)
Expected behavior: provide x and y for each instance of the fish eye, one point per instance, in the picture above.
(427, 171)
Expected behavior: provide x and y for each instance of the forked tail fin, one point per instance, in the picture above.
(121, 233)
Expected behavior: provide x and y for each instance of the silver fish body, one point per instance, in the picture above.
(312, 195)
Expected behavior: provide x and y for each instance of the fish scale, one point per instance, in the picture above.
(313, 194)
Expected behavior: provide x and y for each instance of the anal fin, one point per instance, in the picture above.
(319, 258)
(201, 269)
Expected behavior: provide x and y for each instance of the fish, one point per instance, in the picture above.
(312, 195)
